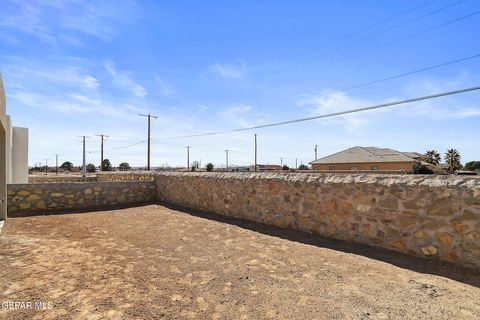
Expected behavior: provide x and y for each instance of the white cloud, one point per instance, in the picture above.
(164, 89)
(235, 114)
(335, 101)
(123, 80)
(229, 71)
(22, 72)
(202, 108)
(53, 21)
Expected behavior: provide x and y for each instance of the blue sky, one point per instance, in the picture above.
(86, 67)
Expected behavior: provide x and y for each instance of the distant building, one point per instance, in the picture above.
(268, 167)
(260, 168)
(370, 158)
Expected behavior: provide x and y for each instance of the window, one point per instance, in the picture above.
(375, 168)
(354, 168)
(331, 168)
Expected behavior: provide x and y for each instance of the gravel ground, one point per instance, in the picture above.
(154, 262)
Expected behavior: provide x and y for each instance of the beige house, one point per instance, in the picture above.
(369, 158)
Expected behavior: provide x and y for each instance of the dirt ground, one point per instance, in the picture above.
(153, 262)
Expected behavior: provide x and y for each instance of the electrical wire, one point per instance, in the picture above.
(119, 148)
(386, 30)
(361, 30)
(411, 72)
(383, 105)
(407, 37)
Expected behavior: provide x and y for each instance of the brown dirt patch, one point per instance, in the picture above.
(153, 262)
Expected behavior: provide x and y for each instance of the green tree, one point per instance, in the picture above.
(67, 166)
(432, 157)
(91, 168)
(303, 167)
(472, 166)
(209, 167)
(106, 165)
(452, 158)
(124, 166)
(285, 167)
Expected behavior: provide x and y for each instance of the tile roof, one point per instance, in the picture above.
(364, 154)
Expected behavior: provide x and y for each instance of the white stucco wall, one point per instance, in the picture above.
(8, 146)
(3, 154)
(19, 155)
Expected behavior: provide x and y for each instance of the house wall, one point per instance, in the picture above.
(403, 166)
(19, 155)
(3, 153)
(8, 148)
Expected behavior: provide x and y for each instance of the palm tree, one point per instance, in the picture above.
(452, 158)
(432, 157)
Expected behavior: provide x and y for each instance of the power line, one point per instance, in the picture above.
(121, 147)
(411, 72)
(384, 105)
(378, 106)
(387, 30)
(407, 37)
(84, 167)
(371, 26)
(103, 138)
(149, 117)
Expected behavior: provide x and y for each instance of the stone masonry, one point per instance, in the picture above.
(59, 178)
(436, 217)
(126, 175)
(26, 199)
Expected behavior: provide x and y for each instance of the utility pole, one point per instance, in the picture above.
(56, 164)
(296, 164)
(149, 116)
(102, 137)
(46, 166)
(84, 166)
(255, 152)
(226, 154)
(188, 157)
(281, 162)
(316, 146)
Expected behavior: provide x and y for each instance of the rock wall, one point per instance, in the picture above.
(126, 176)
(27, 199)
(59, 178)
(436, 217)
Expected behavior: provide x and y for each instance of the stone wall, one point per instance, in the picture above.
(26, 199)
(59, 178)
(436, 217)
(126, 176)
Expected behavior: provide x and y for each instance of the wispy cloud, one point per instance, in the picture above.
(55, 21)
(335, 101)
(229, 71)
(236, 115)
(22, 72)
(123, 79)
(164, 89)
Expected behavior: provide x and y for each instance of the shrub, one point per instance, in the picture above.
(209, 167)
(106, 165)
(124, 166)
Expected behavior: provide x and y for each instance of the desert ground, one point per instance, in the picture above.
(158, 262)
